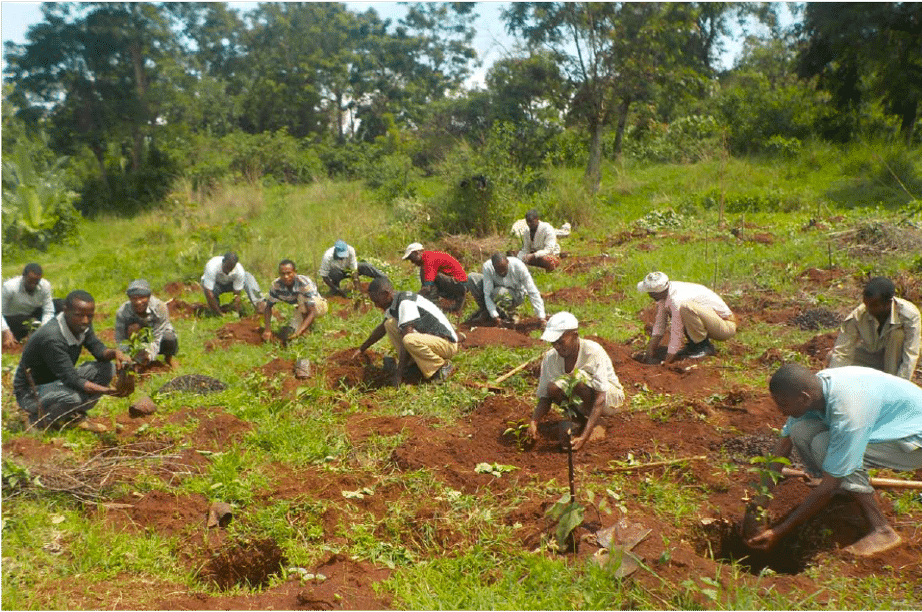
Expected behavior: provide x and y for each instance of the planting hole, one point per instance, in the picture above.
(724, 541)
(244, 563)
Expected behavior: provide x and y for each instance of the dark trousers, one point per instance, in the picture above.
(337, 275)
(21, 325)
(59, 403)
(169, 344)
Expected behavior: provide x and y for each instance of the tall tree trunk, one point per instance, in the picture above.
(908, 123)
(593, 176)
(140, 80)
(622, 122)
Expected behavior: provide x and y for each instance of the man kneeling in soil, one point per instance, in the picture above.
(843, 421)
(340, 262)
(883, 333)
(696, 313)
(62, 394)
(143, 310)
(577, 375)
(503, 285)
(299, 291)
(417, 330)
(225, 274)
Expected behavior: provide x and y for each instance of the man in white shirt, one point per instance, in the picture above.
(696, 312)
(503, 285)
(339, 262)
(576, 374)
(417, 329)
(539, 243)
(224, 274)
(883, 333)
(25, 299)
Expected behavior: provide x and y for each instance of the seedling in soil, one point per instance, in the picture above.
(569, 515)
(518, 430)
(139, 341)
(494, 468)
(757, 510)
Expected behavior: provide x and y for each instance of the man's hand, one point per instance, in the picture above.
(360, 352)
(267, 335)
(9, 340)
(764, 541)
(528, 259)
(121, 360)
(577, 442)
(497, 321)
(533, 430)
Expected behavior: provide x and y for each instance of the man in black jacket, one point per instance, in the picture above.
(59, 393)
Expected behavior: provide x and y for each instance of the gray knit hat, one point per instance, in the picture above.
(138, 287)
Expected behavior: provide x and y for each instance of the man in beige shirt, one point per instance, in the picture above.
(883, 333)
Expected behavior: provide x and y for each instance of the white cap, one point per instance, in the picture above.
(557, 324)
(412, 248)
(654, 282)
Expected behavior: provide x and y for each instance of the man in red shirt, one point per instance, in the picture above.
(441, 275)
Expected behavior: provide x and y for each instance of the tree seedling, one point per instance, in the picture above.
(518, 430)
(761, 467)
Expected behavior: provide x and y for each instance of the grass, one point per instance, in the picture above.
(464, 553)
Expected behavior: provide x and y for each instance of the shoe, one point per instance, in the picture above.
(442, 374)
(700, 349)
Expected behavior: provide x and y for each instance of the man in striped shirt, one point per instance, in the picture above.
(299, 291)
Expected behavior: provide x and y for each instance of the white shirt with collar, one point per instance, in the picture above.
(861, 328)
(17, 302)
(329, 261)
(517, 279)
(544, 242)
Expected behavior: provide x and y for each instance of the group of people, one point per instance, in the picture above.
(862, 411)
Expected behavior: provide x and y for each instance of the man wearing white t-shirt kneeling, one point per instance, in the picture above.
(576, 374)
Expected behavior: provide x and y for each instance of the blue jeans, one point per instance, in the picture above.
(60, 403)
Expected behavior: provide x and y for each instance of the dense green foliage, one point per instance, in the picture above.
(136, 99)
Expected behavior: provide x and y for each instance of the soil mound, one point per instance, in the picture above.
(816, 318)
(180, 309)
(193, 383)
(818, 347)
(497, 336)
(179, 287)
(166, 513)
(343, 371)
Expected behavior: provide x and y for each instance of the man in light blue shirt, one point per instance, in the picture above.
(503, 285)
(842, 421)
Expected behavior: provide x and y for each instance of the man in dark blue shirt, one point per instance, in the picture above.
(59, 393)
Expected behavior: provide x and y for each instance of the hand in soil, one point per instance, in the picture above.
(764, 541)
(577, 443)
(533, 432)
(267, 335)
(359, 353)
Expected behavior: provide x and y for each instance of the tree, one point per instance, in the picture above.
(861, 50)
(614, 53)
(93, 70)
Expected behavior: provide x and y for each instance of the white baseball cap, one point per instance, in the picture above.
(412, 249)
(654, 282)
(557, 324)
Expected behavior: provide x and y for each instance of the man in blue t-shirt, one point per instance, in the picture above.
(842, 421)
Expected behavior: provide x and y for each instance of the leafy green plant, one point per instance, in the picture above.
(140, 341)
(568, 513)
(38, 208)
(494, 468)
(518, 431)
(761, 467)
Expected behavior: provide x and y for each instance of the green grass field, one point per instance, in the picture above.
(744, 227)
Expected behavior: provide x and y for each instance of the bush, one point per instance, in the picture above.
(685, 140)
(38, 208)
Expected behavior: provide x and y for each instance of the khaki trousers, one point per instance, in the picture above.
(429, 352)
(887, 359)
(300, 310)
(703, 322)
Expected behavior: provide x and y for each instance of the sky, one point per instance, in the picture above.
(491, 41)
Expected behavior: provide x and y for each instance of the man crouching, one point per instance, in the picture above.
(576, 374)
